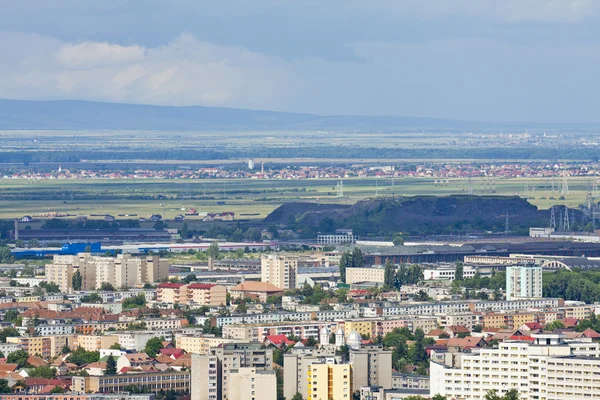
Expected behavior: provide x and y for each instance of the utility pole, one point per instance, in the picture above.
(552, 218)
(506, 226)
(566, 224)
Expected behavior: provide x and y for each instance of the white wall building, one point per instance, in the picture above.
(523, 282)
(547, 369)
(447, 273)
(279, 270)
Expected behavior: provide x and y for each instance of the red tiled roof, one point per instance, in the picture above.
(278, 340)
(590, 333)
(169, 285)
(174, 352)
(201, 286)
(533, 325)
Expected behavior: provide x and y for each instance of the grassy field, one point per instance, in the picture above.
(249, 196)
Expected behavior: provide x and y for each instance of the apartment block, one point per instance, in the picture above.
(205, 294)
(123, 271)
(252, 384)
(95, 342)
(549, 368)
(365, 274)
(279, 270)
(212, 372)
(329, 381)
(523, 282)
(295, 368)
(178, 381)
(201, 344)
(468, 320)
(371, 366)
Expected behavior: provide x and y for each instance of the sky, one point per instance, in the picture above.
(485, 60)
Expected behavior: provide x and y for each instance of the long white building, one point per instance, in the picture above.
(547, 368)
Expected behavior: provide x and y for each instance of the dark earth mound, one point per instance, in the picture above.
(419, 215)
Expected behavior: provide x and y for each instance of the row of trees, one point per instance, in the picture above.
(402, 275)
(573, 285)
(353, 259)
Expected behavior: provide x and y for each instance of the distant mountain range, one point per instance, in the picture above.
(78, 115)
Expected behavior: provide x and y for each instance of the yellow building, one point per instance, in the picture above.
(364, 328)
(96, 342)
(494, 321)
(365, 274)
(329, 381)
(200, 344)
(516, 320)
(35, 346)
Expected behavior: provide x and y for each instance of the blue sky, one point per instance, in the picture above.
(509, 60)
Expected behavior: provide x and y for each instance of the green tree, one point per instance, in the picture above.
(297, 396)
(81, 357)
(398, 239)
(358, 259)
(77, 280)
(11, 315)
(33, 243)
(189, 278)
(43, 371)
(57, 390)
(213, 250)
(18, 357)
(438, 397)
(389, 276)
(6, 256)
(345, 263)
(153, 346)
(5, 389)
(459, 271)
(555, 325)
(92, 298)
(8, 332)
(115, 346)
(421, 296)
(107, 287)
(184, 231)
(111, 366)
(242, 308)
(138, 301)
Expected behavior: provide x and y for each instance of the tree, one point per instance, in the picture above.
(33, 243)
(153, 346)
(81, 357)
(18, 357)
(358, 260)
(57, 390)
(389, 276)
(213, 250)
(297, 396)
(4, 388)
(92, 298)
(6, 256)
(189, 278)
(116, 346)
(398, 239)
(8, 332)
(11, 315)
(421, 296)
(552, 326)
(184, 231)
(438, 397)
(111, 366)
(43, 371)
(459, 271)
(137, 301)
(77, 280)
(50, 287)
(88, 249)
(345, 262)
(242, 308)
(107, 287)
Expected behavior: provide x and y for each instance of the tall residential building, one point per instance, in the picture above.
(546, 369)
(295, 368)
(211, 372)
(279, 270)
(371, 366)
(121, 271)
(329, 381)
(252, 384)
(523, 282)
(365, 274)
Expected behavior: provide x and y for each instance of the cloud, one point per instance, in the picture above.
(90, 54)
(185, 71)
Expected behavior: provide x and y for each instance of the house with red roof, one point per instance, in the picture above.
(592, 334)
(278, 341)
(173, 353)
(456, 330)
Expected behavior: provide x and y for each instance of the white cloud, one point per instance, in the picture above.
(93, 54)
(186, 71)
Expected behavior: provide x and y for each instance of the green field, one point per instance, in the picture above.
(244, 196)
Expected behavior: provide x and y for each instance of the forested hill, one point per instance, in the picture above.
(418, 215)
(77, 115)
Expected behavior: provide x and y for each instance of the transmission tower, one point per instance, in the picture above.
(552, 218)
(340, 189)
(595, 188)
(506, 226)
(469, 186)
(566, 224)
(565, 183)
(553, 185)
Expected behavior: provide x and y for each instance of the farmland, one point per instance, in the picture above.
(252, 197)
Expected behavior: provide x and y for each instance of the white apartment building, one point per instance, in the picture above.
(123, 271)
(365, 274)
(447, 273)
(523, 282)
(279, 270)
(546, 369)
